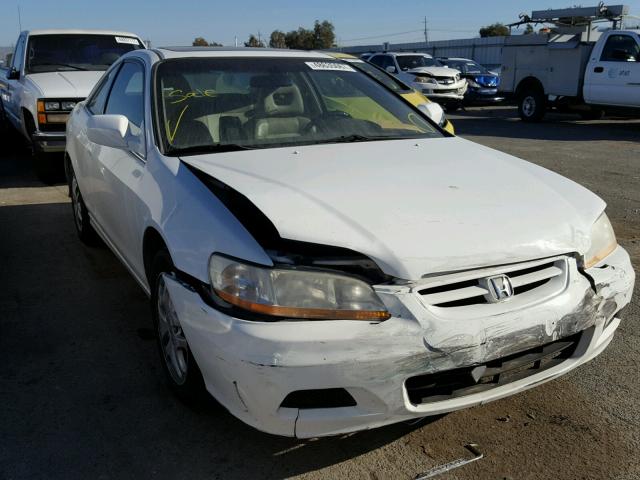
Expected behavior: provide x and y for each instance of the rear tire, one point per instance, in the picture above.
(86, 233)
(532, 105)
(181, 371)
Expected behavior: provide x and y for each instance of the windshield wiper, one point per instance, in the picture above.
(361, 138)
(68, 65)
(215, 148)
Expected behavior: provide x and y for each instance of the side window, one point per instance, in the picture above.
(377, 60)
(387, 61)
(98, 100)
(127, 94)
(18, 56)
(621, 48)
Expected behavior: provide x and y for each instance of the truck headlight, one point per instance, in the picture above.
(290, 293)
(68, 105)
(49, 106)
(603, 241)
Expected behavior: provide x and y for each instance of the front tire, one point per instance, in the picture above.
(532, 105)
(181, 371)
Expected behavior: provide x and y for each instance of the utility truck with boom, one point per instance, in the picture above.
(576, 66)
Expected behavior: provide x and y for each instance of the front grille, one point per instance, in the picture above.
(446, 90)
(480, 378)
(524, 278)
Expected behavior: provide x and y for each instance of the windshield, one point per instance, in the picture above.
(223, 104)
(467, 67)
(409, 62)
(56, 53)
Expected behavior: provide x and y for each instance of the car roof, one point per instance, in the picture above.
(190, 52)
(342, 55)
(73, 31)
(403, 54)
(457, 59)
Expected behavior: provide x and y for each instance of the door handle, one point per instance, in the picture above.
(598, 69)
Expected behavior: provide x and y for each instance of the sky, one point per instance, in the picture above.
(357, 22)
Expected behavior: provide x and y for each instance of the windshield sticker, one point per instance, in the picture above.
(178, 96)
(129, 40)
(334, 66)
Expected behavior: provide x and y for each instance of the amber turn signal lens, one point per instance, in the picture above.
(304, 313)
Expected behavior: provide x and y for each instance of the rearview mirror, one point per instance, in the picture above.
(432, 110)
(109, 130)
(13, 74)
(391, 69)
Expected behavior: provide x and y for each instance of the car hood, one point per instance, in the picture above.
(436, 71)
(415, 207)
(64, 84)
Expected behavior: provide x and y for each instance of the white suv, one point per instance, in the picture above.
(426, 74)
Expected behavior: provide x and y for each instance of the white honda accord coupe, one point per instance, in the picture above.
(320, 256)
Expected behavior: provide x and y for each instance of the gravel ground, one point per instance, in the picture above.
(82, 395)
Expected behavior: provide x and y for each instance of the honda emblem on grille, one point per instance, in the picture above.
(500, 288)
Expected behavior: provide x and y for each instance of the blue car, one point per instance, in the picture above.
(483, 84)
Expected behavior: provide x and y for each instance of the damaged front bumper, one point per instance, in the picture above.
(361, 375)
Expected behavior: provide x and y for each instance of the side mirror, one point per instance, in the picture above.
(432, 110)
(13, 74)
(109, 131)
(391, 69)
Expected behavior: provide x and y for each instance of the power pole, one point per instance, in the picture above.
(426, 32)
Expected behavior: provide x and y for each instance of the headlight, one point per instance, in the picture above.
(425, 80)
(603, 241)
(294, 293)
(48, 106)
(68, 105)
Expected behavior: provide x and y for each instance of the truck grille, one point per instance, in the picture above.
(475, 289)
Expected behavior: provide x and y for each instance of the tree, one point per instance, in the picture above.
(528, 30)
(254, 42)
(301, 39)
(324, 35)
(278, 39)
(495, 30)
(200, 42)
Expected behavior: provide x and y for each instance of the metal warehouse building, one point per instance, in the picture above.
(487, 51)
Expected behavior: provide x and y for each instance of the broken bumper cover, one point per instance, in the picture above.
(251, 367)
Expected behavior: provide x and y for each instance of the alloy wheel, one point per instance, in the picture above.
(173, 343)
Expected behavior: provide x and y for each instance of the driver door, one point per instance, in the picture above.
(120, 172)
(615, 78)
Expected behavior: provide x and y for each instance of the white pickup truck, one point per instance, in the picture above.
(574, 67)
(50, 71)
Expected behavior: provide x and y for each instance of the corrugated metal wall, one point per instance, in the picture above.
(487, 51)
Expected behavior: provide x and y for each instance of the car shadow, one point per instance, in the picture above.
(566, 127)
(82, 390)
